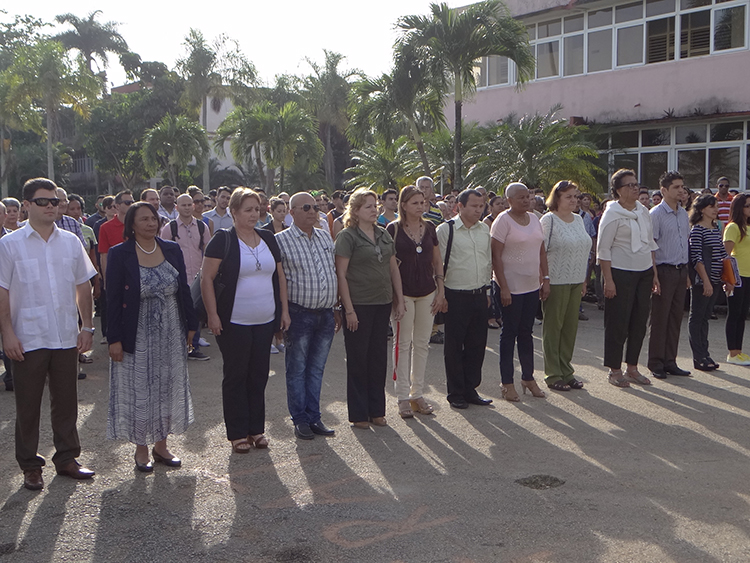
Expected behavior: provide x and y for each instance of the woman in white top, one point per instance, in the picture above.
(520, 266)
(624, 250)
(568, 246)
(245, 307)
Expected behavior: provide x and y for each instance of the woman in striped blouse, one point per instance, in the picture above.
(707, 256)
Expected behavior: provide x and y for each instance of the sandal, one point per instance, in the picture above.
(616, 378)
(241, 446)
(559, 386)
(379, 421)
(259, 441)
(404, 409)
(575, 384)
(421, 406)
(703, 365)
(635, 376)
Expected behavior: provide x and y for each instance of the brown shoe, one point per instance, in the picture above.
(32, 479)
(75, 470)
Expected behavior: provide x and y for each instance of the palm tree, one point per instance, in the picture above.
(450, 41)
(42, 75)
(91, 38)
(539, 150)
(171, 144)
(381, 166)
(327, 93)
(440, 151)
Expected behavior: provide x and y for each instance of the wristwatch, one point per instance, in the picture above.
(92, 330)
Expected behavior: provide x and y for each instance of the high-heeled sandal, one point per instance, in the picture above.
(559, 386)
(404, 409)
(533, 387)
(509, 393)
(616, 378)
(421, 406)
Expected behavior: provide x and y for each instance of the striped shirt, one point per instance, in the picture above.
(707, 244)
(671, 233)
(724, 207)
(67, 223)
(433, 215)
(309, 267)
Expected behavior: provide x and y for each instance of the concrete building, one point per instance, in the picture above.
(668, 79)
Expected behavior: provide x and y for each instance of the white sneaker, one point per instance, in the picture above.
(274, 349)
(738, 360)
(103, 340)
(203, 342)
(280, 347)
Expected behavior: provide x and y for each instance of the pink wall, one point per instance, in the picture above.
(634, 94)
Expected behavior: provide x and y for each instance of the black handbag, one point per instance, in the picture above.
(219, 285)
(440, 316)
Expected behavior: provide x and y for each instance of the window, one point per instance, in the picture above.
(687, 4)
(629, 12)
(573, 63)
(727, 131)
(600, 50)
(548, 29)
(630, 45)
(656, 137)
(497, 71)
(657, 7)
(573, 24)
(548, 59)
(692, 165)
(600, 18)
(629, 161)
(624, 139)
(695, 35)
(660, 40)
(724, 162)
(653, 165)
(729, 28)
(688, 134)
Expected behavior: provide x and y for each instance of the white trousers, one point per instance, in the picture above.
(411, 338)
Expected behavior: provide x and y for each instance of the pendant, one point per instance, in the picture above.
(258, 267)
(419, 249)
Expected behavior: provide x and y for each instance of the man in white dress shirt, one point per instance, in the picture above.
(44, 275)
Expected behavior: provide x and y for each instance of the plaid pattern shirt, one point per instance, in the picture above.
(67, 223)
(309, 267)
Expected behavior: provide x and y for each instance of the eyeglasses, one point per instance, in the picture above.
(307, 207)
(379, 253)
(631, 185)
(723, 185)
(45, 201)
(128, 201)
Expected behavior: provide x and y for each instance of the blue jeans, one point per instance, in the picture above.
(518, 326)
(308, 342)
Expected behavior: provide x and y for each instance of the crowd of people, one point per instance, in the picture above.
(284, 274)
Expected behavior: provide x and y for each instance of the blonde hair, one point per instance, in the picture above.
(356, 201)
(407, 192)
(239, 195)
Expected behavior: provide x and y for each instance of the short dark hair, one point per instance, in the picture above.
(668, 177)
(463, 197)
(108, 201)
(130, 217)
(616, 181)
(700, 203)
(223, 189)
(387, 192)
(167, 186)
(79, 199)
(144, 192)
(193, 191)
(338, 194)
(554, 196)
(31, 187)
(118, 196)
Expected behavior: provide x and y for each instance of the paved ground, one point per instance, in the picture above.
(650, 474)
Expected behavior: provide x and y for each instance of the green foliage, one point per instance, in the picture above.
(439, 146)
(171, 144)
(381, 166)
(92, 39)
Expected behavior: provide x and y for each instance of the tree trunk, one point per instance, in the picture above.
(270, 177)
(206, 173)
(281, 179)
(258, 163)
(420, 147)
(50, 157)
(3, 163)
(329, 164)
(457, 156)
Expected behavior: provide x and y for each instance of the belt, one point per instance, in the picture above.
(300, 308)
(477, 291)
(675, 266)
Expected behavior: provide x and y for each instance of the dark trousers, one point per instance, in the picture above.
(246, 350)
(626, 316)
(737, 308)
(666, 317)
(367, 362)
(60, 367)
(701, 308)
(465, 341)
(518, 326)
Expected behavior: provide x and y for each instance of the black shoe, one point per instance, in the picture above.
(480, 401)
(81, 375)
(659, 374)
(459, 404)
(674, 370)
(173, 461)
(9, 387)
(437, 338)
(147, 467)
(303, 431)
(321, 429)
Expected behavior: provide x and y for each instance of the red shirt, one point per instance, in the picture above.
(724, 206)
(110, 234)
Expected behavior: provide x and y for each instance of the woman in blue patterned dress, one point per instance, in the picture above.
(150, 327)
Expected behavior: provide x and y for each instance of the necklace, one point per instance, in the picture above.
(256, 254)
(146, 251)
(417, 241)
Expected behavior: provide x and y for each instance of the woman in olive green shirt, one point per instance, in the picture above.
(369, 286)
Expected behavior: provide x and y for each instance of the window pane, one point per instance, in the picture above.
(726, 132)
(624, 139)
(692, 165)
(573, 55)
(687, 4)
(653, 165)
(497, 70)
(629, 12)
(656, 7)
(548, 29)
(532, 31)
(599, 18)
(729, 28)
(690, 134)
(630, 45)
(574, 23)
(747, 172)
(724, 162)
(548, 59)
(695, 35)
(600, 50)
(656, 137)
(629, 161)
(660, 40)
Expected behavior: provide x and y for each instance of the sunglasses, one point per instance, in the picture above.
(128, 201)
(723, 185)
(45, 201)
(307, 207)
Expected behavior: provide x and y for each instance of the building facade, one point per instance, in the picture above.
(667, 80)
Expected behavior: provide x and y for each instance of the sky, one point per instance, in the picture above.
(276, 35)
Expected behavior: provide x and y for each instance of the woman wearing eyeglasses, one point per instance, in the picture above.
(369, 287)
(625, 252)
(737, 244)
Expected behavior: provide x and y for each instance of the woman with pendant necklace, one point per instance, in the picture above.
(421, 269)
(250, 306)
(151, 324)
